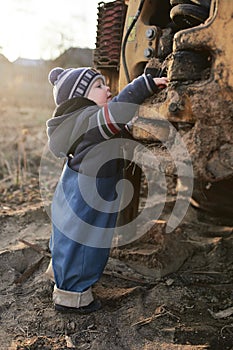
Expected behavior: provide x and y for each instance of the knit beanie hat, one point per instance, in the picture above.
(72, 82)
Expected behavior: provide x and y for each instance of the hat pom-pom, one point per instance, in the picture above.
(53, 75)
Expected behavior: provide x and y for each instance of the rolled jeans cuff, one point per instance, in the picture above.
(72, 299)
(49, 272)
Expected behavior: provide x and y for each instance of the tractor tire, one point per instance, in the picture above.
(187, 16)
(189, 65)
(202, 3)
(179, 2)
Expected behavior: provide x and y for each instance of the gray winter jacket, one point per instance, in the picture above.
(79, 126)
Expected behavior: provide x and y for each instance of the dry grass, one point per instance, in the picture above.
(22, 141)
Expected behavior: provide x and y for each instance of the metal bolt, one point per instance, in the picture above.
(149, 52)
(173, 107)
(151, 33)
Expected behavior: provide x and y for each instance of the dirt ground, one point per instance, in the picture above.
(189, 308)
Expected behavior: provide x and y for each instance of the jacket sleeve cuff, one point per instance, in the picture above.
(151, 86)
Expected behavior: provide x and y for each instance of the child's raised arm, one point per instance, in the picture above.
(118, 112)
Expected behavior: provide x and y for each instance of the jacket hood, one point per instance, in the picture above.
(68, 124)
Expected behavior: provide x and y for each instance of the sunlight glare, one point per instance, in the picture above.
(40, 29)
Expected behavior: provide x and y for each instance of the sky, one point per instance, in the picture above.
(43, 29)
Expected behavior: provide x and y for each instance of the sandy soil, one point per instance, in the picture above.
(189, 308)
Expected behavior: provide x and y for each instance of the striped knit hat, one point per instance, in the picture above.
(72, 82)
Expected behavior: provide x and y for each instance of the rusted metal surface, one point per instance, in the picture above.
(111, 18)
(199, 99)
(196, 55)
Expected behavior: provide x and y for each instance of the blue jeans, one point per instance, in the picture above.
(82, 228)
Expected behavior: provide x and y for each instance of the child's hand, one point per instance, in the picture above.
(161, 82)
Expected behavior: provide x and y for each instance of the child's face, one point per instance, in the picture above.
(99, 93)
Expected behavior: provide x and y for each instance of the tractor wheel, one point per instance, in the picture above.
(178, 2)
(186, 16)
(202, 3)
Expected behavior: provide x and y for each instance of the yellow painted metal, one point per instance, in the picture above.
(137, 41)
(214, 36)
(217, 36)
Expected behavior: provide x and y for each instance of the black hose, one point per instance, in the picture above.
(126, 38)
